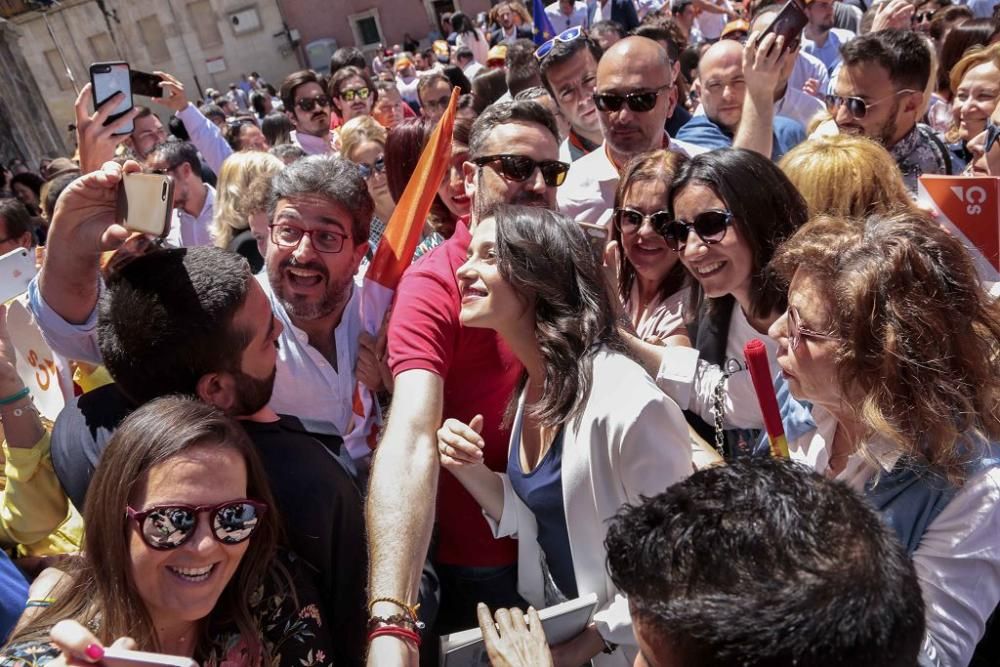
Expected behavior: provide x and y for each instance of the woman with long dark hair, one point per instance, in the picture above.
(590, 430)
(467, 34)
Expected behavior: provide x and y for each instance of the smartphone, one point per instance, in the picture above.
(119, 657)
(17, 268)
(789, 23)
(106, 79)
(145, 203)
(597, 237)
(145, 84)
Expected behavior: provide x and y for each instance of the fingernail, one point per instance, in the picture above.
(94, 651)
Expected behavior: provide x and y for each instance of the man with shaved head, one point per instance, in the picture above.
(634, 95)
(723, 89)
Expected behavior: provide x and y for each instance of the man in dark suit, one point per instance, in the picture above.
(508, 33)
(621, 12)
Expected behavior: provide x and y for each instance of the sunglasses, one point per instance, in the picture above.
(367, 171)
(629, 220)
(519, 168)
(307, 104)
(639, 102)
(568, 35)
(856, 106)
(796, 332)
(349, 94)
(170, 526)
(710, 226)
(923, 16)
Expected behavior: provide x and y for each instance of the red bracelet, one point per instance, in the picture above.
(395, 631)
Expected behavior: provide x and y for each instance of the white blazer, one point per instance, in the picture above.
(631, 441)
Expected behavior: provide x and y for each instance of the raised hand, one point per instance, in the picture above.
(96, 141)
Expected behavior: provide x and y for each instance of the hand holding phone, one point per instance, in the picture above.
(120, 657)
(108, 80)
(789, 23)
(145, 84)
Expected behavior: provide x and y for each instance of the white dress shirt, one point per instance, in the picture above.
(186, 230)
(313, 145)
(560, 21)
(799, 106)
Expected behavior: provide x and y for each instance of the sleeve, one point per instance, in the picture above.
(30, 653)
(73, 341)
(508, 523)
(206, 137)
(34, 504)
(423, 326)
(691, 382)
(958, 566)
(700, 133)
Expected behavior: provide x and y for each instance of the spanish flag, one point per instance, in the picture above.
(399, 241)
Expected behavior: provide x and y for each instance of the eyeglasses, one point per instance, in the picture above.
(169, 526)
(568, 35)
(796, 332)
(519, 168)
(307, 104)
(923, 16)
(367, 171)
(856, 106)
(710, 226)
(349, 94)
(630, 220)
(289, 236)
(639, 102)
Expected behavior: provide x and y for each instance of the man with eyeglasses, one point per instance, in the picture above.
(634, 95)
(879, 94)
(568, 67)
(194, 200)
(308, 107)
(443, 369)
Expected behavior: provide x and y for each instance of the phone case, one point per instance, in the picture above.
(129, 127)
(17, 268)
(145, 203)
(145, 84)
(789, 23)
(119, 657)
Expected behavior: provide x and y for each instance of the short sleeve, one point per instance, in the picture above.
(424, 322)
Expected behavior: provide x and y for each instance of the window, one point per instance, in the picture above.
(205, 23)
(152, 37)
(103, 48)
(367, 29)
(57, 69)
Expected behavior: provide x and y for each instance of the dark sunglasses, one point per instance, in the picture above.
(368, 171)
(710, 226)
(856, 106)
(170, 526)
(519, 168)
(639, 101)
(349, 94)
(923, 16)
(568, 35)
(631, 220)
(307, 104)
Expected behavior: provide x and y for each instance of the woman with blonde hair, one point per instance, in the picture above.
(228, 224)
(845, 175)
(975, 79)
(362, 141)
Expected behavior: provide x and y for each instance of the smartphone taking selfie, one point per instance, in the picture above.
(146, 84)
(17, 268)
(145, 203)
(789, 23)
(107, 79)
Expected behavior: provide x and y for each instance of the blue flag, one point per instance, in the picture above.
(543, 27)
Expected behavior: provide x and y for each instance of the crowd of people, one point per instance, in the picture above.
(559, 404)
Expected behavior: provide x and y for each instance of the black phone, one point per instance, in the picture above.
(106, 79)
(145, 84)
(789, 23)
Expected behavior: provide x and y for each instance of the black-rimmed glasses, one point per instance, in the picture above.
(638, 101)
(324, 241)
(710, 226)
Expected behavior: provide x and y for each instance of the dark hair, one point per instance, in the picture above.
(211, 111)
(464, 53)
(764, 563)
(426, 82)
(332, 178)
(902, 52)
(960, 39)
(347, 56)
(487, 87)
(946, 17)
(16, 217)
(291, 84)
(277, 128)
(562, 52)
(56, 187)
(458, 79)
(522, 66)
(547, 260)
(166, 319)
(177, 129)
(176, 153)
(508, 112)
(608, 26)
(30, 180)
(233, 132)
(257, 103)
(143, 112)
(342, 75)
(664, 31)
(765, 215)
(463, 25)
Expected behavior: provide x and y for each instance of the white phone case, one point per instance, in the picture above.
(17, 268)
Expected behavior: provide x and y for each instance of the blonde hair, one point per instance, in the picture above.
(846, 176)
(357, 131)
(237, 172)
(974, 57)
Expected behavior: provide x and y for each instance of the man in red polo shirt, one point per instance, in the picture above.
(443, 370)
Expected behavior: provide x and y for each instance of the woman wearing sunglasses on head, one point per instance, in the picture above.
(893, 345)
(180, 555)
(650, 276)
(590, 431)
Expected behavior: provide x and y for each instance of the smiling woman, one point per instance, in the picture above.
(188, 562)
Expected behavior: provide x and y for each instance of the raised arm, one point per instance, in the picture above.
(762, 70)
(204, 134)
